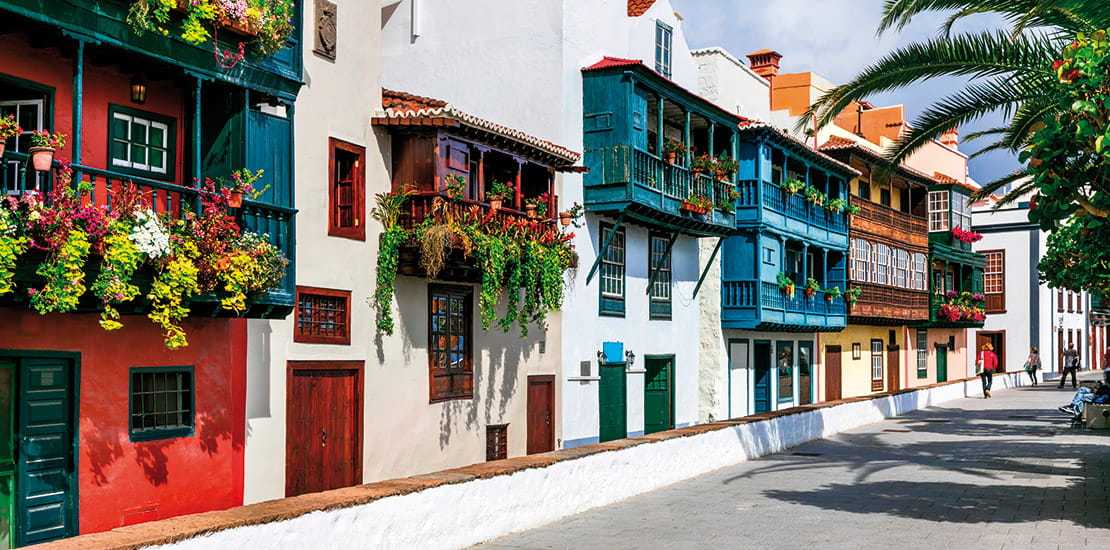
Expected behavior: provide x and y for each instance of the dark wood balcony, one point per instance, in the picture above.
(882, 220)
(887, 305)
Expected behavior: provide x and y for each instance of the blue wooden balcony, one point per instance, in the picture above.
(761, 305)
(276, 222)
(651, 190)
(766, 203)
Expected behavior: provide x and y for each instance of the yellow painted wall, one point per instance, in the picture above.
(856, 373)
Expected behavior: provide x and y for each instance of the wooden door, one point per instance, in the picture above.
(762, 384)
(541, 411)
(942, 362)
(323, 426)
(894, 367)
(38, 498)
(832, 373)
(613, 412)
(658, 394)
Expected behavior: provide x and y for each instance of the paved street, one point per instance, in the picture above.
(1005, 472)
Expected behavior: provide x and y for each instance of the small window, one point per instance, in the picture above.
(901, 268)
(876, 365)
(141, 143)
(497, 442)
(347, 196)
(663, 35)
(450, 352)
(994, 281)
(161, 402)
(769, 256)
(938, 211)
(323, 316)
(922, 353)
(612, 272)
(660, 264)
(882, 264)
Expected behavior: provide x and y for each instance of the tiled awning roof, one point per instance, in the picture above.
(838, 143)
(753, 125)
(405, 109)
(637, 8)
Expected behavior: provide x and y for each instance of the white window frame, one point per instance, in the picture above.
(613, 264)
(882, 254)
(939, 211)
(920, 272)
(861, 260)
(127, 163)
(664, 45)
(876, 359)
(901, 268)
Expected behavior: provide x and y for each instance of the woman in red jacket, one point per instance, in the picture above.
(985, 365)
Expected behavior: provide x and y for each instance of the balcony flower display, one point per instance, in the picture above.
(852, 295)
(498, 192)
(522, 261)
(536, 207)
(811, 287)
(269, 21)
(965, 236)
(793, 186)
(672, 148)
(240, 184)
(697, 204)
(852, 210)
(832, 293)
(836, 205)
(455, 185)
(80, 239)
(703, 163)
(43, 146)
(8, 128)
(786, 285)
(962, 306)
(571, 216)
(724, 166)
(814, 196)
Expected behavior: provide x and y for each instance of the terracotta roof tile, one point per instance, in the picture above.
(607, 62)
(945, 178)
(758, 125)
(401, 105)
(838, 143)
(637, 8)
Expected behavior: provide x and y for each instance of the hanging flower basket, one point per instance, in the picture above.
(565, 218)
(42, 158)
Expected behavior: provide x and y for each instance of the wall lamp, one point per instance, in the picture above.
(629, 357)
(138, 89)
(600, 356)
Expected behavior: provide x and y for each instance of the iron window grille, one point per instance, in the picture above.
(161, 402)
(497, 442)
(323, 316)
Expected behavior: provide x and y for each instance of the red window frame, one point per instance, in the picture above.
(300, 335)
(346, 190)
(446, 383)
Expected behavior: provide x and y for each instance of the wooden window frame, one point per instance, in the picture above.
(358, 192)
(1071, 302)
(1059, 300)
(659, 307)
(998, 303)
(170, 146)
(664, 48)
(612, 304)
(317, 339)
(156, 433)
(497, 450)
(467, 293)
(922, 353)
(940, 211)
(877, 382)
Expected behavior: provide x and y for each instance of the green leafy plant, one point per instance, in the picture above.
(576, 211)
(271, 21)
(169, 293)
(65, 275)
(814, 196)
(699, 202)
(703, 163)
(832, 293)
(786, 284)
(836, 205)
(852, 209)
(117, 267)
(672, 145)
(388, 212)
(12, 245)
(502, 190)
(456, 186)
(43, 138)
(539, 203)
(811, 285)
(726, 164)
(852, 295)
(793, 185)
(243, 181)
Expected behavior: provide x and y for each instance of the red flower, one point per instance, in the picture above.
(1057, 64)
(1072, 75)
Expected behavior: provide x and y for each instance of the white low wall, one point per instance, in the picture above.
(458, 515)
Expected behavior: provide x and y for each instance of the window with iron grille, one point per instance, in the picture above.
(161, 402)
(347, 202)
(497, 442)
(660, 263)
(994, 281)
(922, 353)
(323, 316)
(663, 34)
(876, 362)
(938, 211)
(450, 353)
(861, 260)
(612, 272)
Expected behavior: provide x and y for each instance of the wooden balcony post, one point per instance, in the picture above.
(659, 127)
(519, 192)
(686, 134)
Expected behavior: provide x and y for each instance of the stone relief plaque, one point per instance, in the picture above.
(325, 28)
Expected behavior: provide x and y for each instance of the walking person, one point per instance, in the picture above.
(1071, 364)
(1106, 366)
(1033, 364)
(985, 365)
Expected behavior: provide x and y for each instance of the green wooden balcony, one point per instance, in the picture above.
(625, 179)
(761, 305)
(938, 320)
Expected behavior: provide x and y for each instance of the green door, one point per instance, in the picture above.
(37, 493)
(942, 363)
(658, 394)
(612, 407)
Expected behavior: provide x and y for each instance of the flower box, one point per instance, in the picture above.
(697, 209)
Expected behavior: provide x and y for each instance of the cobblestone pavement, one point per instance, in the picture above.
(1006, 472)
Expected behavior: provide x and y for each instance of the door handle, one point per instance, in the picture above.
(323, 437)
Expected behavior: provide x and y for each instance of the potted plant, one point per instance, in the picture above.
(568, 217)
(672, 148)
(536, 207)
(8, 128)
(852, 296)
(498, 191)
(852, 210)
(786, 285)
(43, 146)
(242, 183)
(703, 163)
(456, 186)
(832, 293)
(811, 287)
(725, 166)
(814, 196)
(836, 205)
(697, 204)
(793, 185)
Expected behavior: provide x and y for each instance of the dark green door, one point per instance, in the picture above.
(942, 363)
(658, 394)
(40, 464)
(613, 404)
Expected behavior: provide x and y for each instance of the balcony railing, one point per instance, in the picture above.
(749, 304)
(890, 222)
(793, 206)
(421, 205)
(17, 178)
(895, 304)
(631, 175)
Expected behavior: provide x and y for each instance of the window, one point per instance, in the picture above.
(961, 211)
(497, 442)
(1071, 304)
(449, 350)
(659, 261)
(785, 365)
(161, 402)
(323, 316)
(861, 260)
(994, 281)
(876, 365)
(922, 353)
(1059, 300)
(864, 191)
(920, 272)
(612, 272)
(663, 49)
(30, 116)
(347, 196)
(141, 143)
(882, 264)
(884, 196)
(769, 256)
(901, 268)
(938, 211)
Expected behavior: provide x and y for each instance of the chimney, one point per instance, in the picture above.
(951, 137)
(765, 63)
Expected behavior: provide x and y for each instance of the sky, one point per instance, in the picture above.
(837, 39)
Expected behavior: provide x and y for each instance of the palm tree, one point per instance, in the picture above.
(1010, 71)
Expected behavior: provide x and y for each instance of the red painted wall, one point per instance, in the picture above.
(121, 482)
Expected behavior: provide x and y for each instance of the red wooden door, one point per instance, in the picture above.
(894, 367)
(541, 412)
(832, 373)
(323, 443)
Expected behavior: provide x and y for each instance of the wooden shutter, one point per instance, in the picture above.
(347, 193)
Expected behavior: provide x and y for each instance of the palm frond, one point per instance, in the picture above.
(1071, 15)
(990, 188)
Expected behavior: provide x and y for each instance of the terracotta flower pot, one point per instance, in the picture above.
(2, 146)
(42, 158)
(565, 218)
(236, 199)
(671, 157)
(809, 292)
(495, 202)
(828, 297)
(530, 211)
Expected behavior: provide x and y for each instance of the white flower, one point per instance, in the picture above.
(149, 236)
